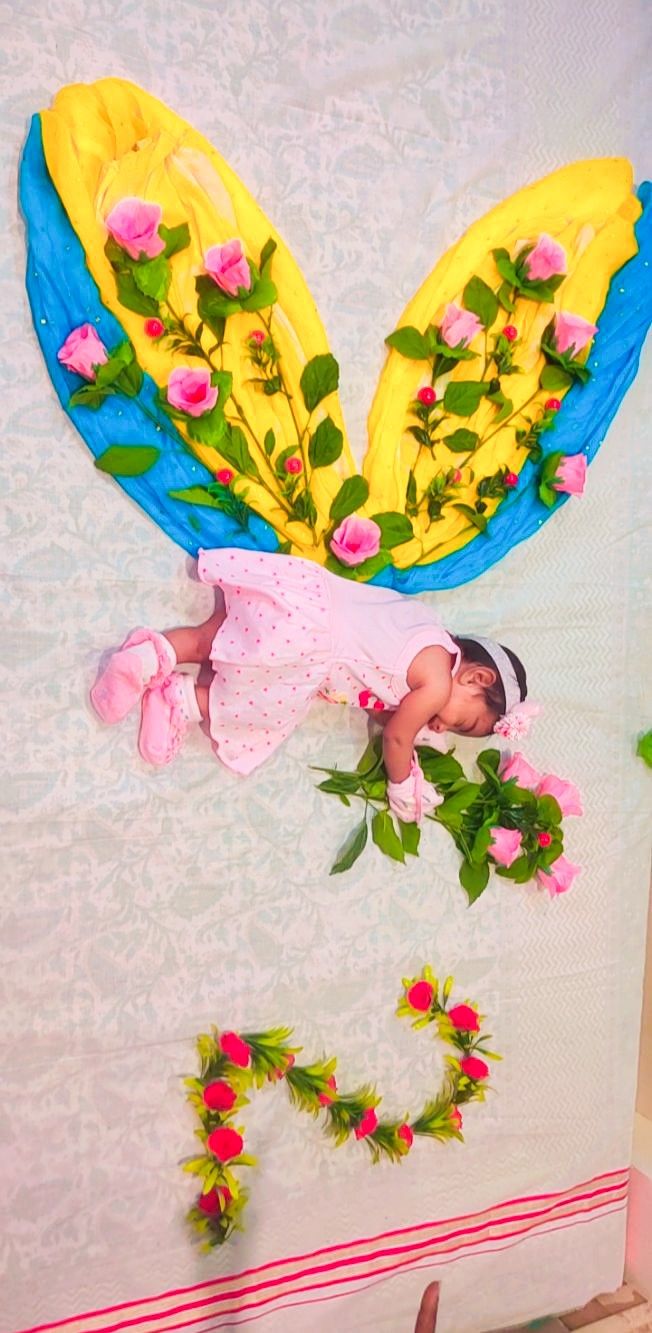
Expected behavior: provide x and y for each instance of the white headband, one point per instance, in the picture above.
(505, 670)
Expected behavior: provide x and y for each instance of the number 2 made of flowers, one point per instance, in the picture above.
(233, 1065)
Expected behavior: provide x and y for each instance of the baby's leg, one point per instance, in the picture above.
(192, 643)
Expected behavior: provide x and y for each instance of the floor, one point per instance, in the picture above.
(615, 1312)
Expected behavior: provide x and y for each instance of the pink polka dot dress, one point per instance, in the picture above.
(294, 632)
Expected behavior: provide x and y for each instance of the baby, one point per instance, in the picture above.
(284, 632)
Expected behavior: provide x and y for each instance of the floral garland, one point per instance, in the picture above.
(510, 822)
(200, 399)
(232, 1065)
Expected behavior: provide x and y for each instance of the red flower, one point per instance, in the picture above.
(154, 328)
(215, 1201)
(235, 1049)
(510, 332)
(456, 1117)
(510, 479)
(224, 476)
(457, 475)
(293, 465)
(405, 1133)
(544, 839)
(367, 1125)
(258, 336)
(224, 1143)
(552, 405)
(463, 1017)
(473, 1067)
(325, 1098)
(427, 396)
(219, 1096)
(419, 996)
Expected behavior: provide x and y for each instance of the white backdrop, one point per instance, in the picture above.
(140, 906)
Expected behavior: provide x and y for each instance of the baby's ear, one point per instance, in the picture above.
(475, 674)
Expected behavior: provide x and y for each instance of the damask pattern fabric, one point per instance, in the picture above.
(139, 908)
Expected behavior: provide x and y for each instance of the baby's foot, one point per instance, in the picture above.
(166, 713)
(146, 658)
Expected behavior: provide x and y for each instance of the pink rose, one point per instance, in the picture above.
(419, 996)
(228, 267)
(517, 767)
(473, 1067)
(545, 260)
(406, 1134)
(572, 333)
(355, 540)
(325, 1098)
(456, 1117)
(225, 1143)
(191, 391)
(571, 475)
(505, 845)
(134, 224)
(464, 1018)
(367, 1125)
(565, 793)
(235, 1049)
(83, 351)
(559, 877)
(219, 1096)
(459, 326)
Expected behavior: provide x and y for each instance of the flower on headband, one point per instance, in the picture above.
(513, 726)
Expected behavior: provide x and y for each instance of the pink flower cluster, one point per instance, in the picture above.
(506, 843)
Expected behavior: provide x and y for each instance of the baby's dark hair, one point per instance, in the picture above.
(494, 694)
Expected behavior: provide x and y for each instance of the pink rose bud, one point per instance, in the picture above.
(544, 839)
(559, 876)
(571, 475)
(464, 1018)
(228, 267)
(572, 333)
(427, 396)
(510, 332)
(405, 1133)
(517, 767)
(457, 475)
(511, 479)
(219, 1096)
(552, 404)
(258, 337)
(355, 540)
(459, 326)
(367, 1125)
(235, 1049)
(224, 476)
(325, 1098)
(293, 465)
(134, 224)
(419, 996)
(83, 351)
(191, 391)
(545, 261)
(456, 1117)
(225, 1143)
(473, 1067)
(154, 328)
(565, 793)
(505, 845)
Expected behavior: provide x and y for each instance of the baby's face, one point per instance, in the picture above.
(465, 712)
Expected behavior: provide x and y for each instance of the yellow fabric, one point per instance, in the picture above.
(110, 139)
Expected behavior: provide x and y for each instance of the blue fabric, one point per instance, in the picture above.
(63, 294)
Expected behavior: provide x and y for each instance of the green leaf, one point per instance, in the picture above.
(520, 870)
(176, 238)
(505, 266)
(352, 849)
(352, 494)
(410, 837)
(120, 358)
(371, 761)
(478, 520)
(348, 783)
(266, 254)
(269, 442)
(213, 303)
(488, 762)
(462, 441)
(463, 397)
(540, 290)
(263, 293)
(290, 451)
(479, 298)
(385, 836)
(555, 377)
(130, 380)
(460, 800)
(442, 769)
(505, 297)
(88, 396)
(326, 444)
(644, 748)
(360, 573)
(152, 277)
(481, 843)
(474, 878)
(319, 378)
(395, 529)
(196, 495)
(130, 295)
(410, 343)
(127, 460)
(211, 428)
(235, 450)
(548, 810)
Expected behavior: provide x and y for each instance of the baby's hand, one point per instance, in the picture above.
(413, 798)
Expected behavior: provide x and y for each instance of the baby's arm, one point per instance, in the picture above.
(430, 682)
